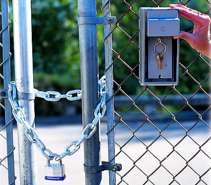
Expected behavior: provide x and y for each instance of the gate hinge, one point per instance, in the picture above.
(105, 166)
(97, 20)
(3, 94)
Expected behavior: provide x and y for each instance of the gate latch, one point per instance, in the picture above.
(110, 167)
(105, 166)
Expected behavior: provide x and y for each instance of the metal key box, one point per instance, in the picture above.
(159, 51)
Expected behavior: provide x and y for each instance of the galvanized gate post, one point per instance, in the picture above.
(109, 84)
(24, 82)
(6, 74)
(89, 85)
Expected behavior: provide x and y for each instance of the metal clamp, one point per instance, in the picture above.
(105, 166)
(25, 96)
(17, 95)
(97, 20)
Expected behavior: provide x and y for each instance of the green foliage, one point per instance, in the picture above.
(56, 46)
(125, 37)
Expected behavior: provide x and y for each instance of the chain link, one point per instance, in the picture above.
(30, 131)
(54, 96)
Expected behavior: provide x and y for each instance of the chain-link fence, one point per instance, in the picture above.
(161, 133)
(7, 175)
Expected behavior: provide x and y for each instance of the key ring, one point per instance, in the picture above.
(158, 44)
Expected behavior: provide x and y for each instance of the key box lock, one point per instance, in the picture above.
(159, 51)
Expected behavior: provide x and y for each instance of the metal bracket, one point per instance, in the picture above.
(97, 20)
(21, 95)
(105, 3)
(3, 94)
(26, 96)
(105, 166)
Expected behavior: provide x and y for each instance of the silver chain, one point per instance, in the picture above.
(33, 136)
(57, 96)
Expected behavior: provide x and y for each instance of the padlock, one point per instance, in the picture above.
(54, 171)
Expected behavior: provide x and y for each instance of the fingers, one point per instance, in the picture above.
(190, 14)
(188, 37)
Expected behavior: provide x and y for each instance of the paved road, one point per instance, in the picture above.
(57, 137)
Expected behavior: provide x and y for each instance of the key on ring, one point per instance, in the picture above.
(159, 49)
(159, 60)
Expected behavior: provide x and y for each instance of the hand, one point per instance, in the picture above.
(199, 39)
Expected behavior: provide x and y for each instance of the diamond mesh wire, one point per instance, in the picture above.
(154, 143)
(6, 135)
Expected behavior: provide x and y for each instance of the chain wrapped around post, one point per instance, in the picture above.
(32, 134)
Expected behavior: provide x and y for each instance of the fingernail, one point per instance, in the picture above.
(173, 4)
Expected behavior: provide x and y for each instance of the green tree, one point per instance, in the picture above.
(56, 46)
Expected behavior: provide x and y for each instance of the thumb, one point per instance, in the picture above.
(188, 37)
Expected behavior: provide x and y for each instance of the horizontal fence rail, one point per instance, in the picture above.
(198, 99)
(148, 103)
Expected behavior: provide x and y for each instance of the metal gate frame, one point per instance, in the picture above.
(5, 63)
(88, 42)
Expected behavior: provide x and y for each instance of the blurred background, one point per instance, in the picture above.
(159, 131)
(57, 59)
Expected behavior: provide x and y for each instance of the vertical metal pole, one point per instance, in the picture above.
(109, 84)
(7, 75)
(89, 84)
(24, 81)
